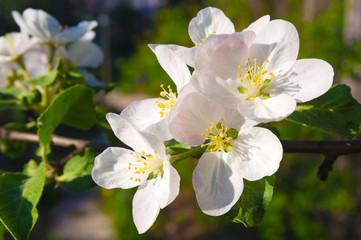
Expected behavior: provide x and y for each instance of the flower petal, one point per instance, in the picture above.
(111, 169)
(259, 24)
(257, 152)
(85, 54)
(221, 55)
(173, 65)
(146, 203)
(209, 21)
(191, 116)
(37, 23)
(233, 119)
(217, 186)
(144, 115)
(208, 85)
(274, 108)
(128, 134)
(309, 79)
(279, 43)
(186, 54)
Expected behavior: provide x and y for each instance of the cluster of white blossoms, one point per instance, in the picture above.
(240, 79)
(34, 50)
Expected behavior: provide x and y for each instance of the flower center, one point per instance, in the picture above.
(218, 137)
(203, 39)
(170, 98)
(145, 166)
(254, 79)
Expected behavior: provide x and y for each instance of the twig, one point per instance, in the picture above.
(331, 149)
(31, 137)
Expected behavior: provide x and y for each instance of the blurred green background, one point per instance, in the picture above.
(303, 207)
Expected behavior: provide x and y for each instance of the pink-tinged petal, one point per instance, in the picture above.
(128, 134)
(217, 185)
(233, 119)
(257, 152)
(247, 36)
(221, 55)
(146, 203)
(209, 21)
(85, 54)
(145, 116)
(309, 79)
(111, 169)
(279, 43)
(259, 24)
(274, 108)
(173, 65)
(214, 90)
(191, 116)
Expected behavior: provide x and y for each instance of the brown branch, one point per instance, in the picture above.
(31, 137)
(331, 149)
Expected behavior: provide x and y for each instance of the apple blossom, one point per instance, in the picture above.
(263, 80)
(152, 114)
(235, 150)
(146, 166)
(47, 29)
(209, 21)
(13, 45)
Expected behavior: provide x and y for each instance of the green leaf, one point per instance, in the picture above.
(175, 148)
(77, 172)
(336, 112)
(44, 80)
(20, 193)
(73, 107)
(255, 199)
(8, 97)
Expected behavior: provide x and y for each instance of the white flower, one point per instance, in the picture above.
(13, 45)
(209, 21)
(146, 166)
(235, 151)
(150, 115)
(84, 54)
(263, 80)
(47, 29)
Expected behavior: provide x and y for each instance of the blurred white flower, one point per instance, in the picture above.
(47, 29)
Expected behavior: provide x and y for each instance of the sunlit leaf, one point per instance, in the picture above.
(20, 193)
(73, 107)
(77, 172)
(255, 199)
(336, 112)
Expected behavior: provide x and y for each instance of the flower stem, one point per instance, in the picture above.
(191, 153)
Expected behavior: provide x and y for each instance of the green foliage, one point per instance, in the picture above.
(8, 97)
(20, 194)
(174, 147)
(77, 172)
(254, 201)
(336, 112)
(74, 107)
(44, 80)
